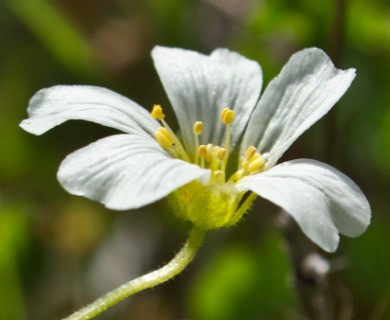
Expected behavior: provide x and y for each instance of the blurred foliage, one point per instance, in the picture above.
(50, 242)
(14, 236)
(238, 273)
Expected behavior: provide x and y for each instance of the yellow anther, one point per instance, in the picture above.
(164, 138)
(202, 151)
(221, 153)
(256, 164)
(198, 128)
(227, 116)
(157, 112)
(249, 153)
(255, 157)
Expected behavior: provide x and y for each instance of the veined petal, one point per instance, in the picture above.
(200, 86)
(305, 90)
(53, 106)
(321, 199)
(125, 172)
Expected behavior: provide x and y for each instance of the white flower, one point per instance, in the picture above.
(227, 149)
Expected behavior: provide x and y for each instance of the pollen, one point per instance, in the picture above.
(227, 116)
(164, 138)
(198, 128)
(157, 112)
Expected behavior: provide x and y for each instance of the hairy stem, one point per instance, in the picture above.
(171, 269)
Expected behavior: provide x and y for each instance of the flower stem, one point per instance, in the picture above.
(171, 269)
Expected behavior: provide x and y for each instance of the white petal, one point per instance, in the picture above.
(53, 106)
(321, 199)
(125, 172)
(305, 90)
(200, 86)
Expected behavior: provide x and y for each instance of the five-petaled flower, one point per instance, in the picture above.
(227, 148)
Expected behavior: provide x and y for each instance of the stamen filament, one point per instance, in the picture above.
(196, 159)
(202, 153)
(227, 117)
(158, 114)
(227, 144)
(236, 176)
(198, 130)
(179, 147)
(209, 153)
(222, 156)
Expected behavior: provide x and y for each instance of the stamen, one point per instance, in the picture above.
(252, 162)
(256, 163)
(157, 112)
(227, 116)
(198, 128)
(221, 153)
(164, 138)
(209, 155)
(202, 153)
(215, 161)
(249, 153)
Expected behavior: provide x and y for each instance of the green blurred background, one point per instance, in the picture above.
(58, 252)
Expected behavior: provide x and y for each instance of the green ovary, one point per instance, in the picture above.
(209, 206)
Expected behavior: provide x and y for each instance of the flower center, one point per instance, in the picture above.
(209, 156)
(218, 203)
